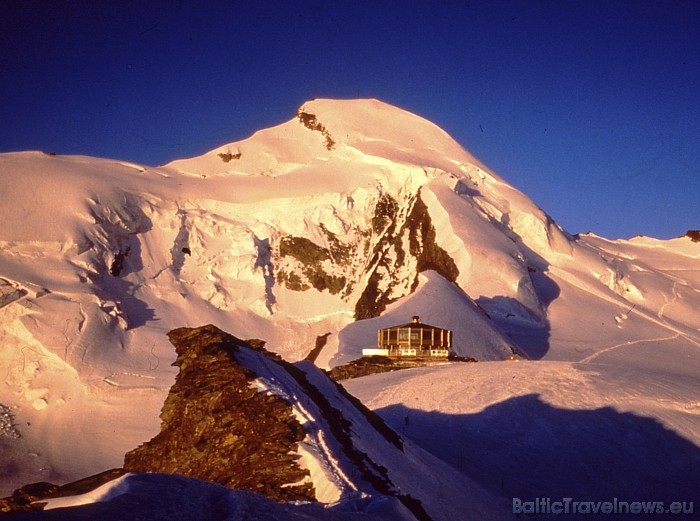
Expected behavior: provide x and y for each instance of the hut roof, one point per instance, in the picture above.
(415, 324)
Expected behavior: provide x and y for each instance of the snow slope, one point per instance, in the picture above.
(544, 429)
(352, 209)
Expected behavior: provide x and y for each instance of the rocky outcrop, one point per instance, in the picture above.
(218, 427)
(10, 292)
(385, 212)
(694, 235)
(382, 364)
(394, 268)
(311, 259)
(228, 156)
(423, 245)
(388, 257)
(301, 264)
(311, 122)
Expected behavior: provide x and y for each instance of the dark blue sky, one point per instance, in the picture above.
(592, 108)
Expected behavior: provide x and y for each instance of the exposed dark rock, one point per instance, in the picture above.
(304, 250)
(228, 156)
(311, 256)
(382, 364)
(217, 427)
(292, 281)
(373, 299)
(340, 252)
(118, 263)
(694, 235)
(21, 499)
(365, 366)
(384, 213)
(310, 264)
(389, 254)
(316, 277)
(312, 123)
(321, 280)
(430, 256)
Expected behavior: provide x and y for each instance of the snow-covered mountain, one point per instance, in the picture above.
(352, 216)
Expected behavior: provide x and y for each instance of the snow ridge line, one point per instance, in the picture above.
(340, 428)
(628, 343)
(288, 394)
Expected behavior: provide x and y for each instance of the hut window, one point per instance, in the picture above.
(412, 334)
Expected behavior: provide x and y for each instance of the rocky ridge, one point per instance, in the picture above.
(217, 426)
(223, 425)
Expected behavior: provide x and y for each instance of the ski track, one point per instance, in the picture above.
(659, 319)
(627, 344)
(668, 302)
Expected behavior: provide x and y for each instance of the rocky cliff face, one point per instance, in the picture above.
(382, 262)
(218, 427)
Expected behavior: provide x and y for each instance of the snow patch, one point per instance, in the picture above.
(105, 492)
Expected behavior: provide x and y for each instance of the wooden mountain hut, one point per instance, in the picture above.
(414, 339)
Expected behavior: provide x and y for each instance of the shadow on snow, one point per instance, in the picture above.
(528, 328)
(526, 448)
